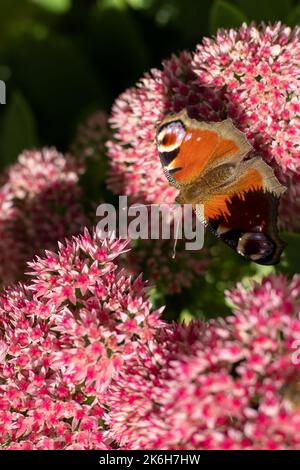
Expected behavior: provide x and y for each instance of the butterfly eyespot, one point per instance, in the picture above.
(169, 139)
(256, 246)
(170, 136)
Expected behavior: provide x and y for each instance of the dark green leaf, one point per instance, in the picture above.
(58, 80)
(55, 6)
(265, 10)
(225, 15)
(19, 128)
(118, 47)
(291, 256)
(192, 18)
(15, 17)
(293, 18)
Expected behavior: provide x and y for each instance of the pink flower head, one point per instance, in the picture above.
(39, 204)
(227, 384)
(250, 75)
(63, 337)
(91, 136)
(11, 245)
(259, 70)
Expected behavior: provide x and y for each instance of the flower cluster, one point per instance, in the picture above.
(11, 255)
(228, 384)
(259, 69)
(39, 205)
(250, 75)
(63, 337)
(91, 137)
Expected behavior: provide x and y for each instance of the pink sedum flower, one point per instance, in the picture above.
(35, 170)
(91, 136)
(250, 74)
(259, 69)
(11, 245)
(227, 384)
(63, 337)
(39, 205)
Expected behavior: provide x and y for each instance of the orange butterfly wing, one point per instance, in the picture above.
(188, 148)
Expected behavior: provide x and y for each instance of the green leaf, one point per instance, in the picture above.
(290, 263)
(192, 18)
(15, 17)
(55, 6)
(259, 273)
(186, 316)
(127, 57)
(293, 18)
(19, 128)
(58, 79)
(265, 10)
(225, 15)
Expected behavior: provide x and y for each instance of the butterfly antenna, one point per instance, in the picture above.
(176, 239)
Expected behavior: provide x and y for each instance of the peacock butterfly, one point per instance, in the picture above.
(207, 163)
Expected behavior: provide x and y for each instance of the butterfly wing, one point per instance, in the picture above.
(188, 148)
(244, 216)
(206, 162)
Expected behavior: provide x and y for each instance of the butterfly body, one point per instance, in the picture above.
(207, 163)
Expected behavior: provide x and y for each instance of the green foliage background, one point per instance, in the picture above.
(63, 59)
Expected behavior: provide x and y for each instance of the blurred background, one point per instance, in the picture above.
(63, 59)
